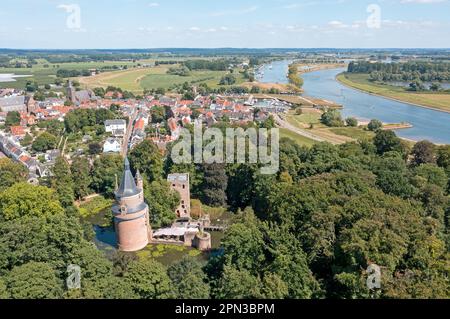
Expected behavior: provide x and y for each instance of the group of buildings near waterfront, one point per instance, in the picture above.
(131, 213)
(132, 216)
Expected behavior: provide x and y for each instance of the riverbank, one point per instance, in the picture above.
(307, 68)
(440, 102)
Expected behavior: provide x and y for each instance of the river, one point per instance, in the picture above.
(427, 124)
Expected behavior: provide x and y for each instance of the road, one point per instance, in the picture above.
(127, 137)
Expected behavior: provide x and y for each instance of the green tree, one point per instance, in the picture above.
(423, 152)
(62, 181)
(81, 169)
(27, 140)
(443, 157)
(238, 284)
(351, 121)
(435, 86)
(45, 142)
(433, 174)
(149, 280)
(393, 177)
(55, 240)
(162, 201)
(4, 294)
(387, 141)
(374, 125)
(106, 170)
(95, 148)
(243, 244)
(214, 185)
(12, 119)
(147, 158)
(158, 114)
(273, 287)
(189, 280)
(228, 79)
(332, 118)
(34, 281)
(11, 173)
(23, 199)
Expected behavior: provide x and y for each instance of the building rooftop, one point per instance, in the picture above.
(127, 185)
(115, 122)
(182, 177)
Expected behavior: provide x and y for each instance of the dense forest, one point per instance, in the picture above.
(213, 65)
(308, 232)
(409, 71)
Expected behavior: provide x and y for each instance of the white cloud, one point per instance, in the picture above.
(153, 4)
(337, 24)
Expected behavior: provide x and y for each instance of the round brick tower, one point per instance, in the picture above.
(131, 213)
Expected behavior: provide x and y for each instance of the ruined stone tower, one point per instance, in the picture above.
(180, 183)
(131, 213)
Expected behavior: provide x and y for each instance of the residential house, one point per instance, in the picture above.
(116, 127)
(112, 145)
(17, 131)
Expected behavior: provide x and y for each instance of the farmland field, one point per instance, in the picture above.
(137, 80)
(45, 73)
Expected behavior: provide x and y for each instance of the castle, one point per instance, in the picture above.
(131, 213)
(132, 219)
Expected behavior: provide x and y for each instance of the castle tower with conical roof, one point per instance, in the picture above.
(131, 213)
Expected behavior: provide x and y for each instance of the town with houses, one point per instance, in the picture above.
(121, 133)
(132, 126)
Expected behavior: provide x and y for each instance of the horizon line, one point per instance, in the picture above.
(236, 48)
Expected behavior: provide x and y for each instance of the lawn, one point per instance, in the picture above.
(353, 132)
(301, 140)
(304, 120)
(439, 101)
(95, 206)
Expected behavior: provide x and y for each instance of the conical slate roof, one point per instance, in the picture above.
(127, 185)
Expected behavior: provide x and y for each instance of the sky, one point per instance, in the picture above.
(118, 24)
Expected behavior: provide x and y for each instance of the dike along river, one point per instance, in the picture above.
(427, 124)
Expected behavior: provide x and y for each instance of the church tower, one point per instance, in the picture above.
(131, 213)
(70, 92)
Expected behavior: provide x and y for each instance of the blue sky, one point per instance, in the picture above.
(224, 23)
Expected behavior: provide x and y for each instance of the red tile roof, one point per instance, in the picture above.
(17, 131)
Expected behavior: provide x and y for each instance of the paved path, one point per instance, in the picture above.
(127, 137)
(284, 124)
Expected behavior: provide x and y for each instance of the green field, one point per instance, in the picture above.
(134, 78)
(353, 132)
(139, 79)
(304, 119)
(301, 140)
(45, 73)
(439, 101)
(212, 78)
